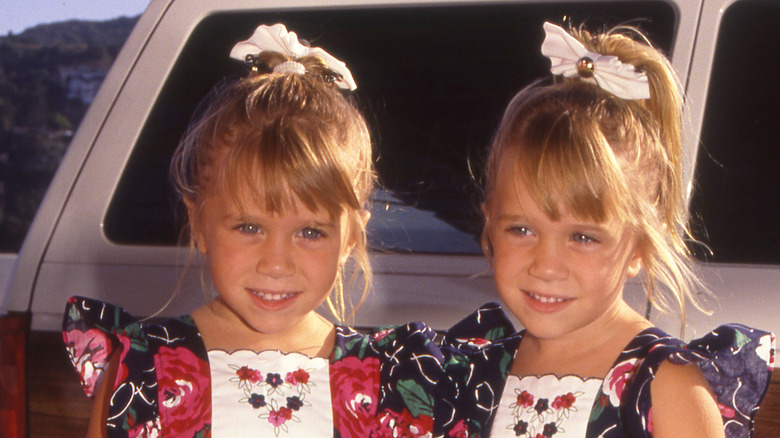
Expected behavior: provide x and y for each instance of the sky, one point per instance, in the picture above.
(18, 15)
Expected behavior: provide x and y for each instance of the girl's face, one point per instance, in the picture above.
(558, 277)
(270, 270)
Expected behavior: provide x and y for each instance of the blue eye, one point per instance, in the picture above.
(311, 233)
(248, 228)
(519, 230)
(583, 238)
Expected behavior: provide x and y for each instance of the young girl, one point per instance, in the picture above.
(275, 175)
(584, 191)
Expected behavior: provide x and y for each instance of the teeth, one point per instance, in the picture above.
(271, 297)
(546, 299)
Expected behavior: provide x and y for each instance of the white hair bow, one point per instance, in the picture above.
(276, 38)
(571, 59)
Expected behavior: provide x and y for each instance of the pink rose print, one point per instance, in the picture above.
(460, 430)
(296, 377)
(184, 391)
(279, 417)
(381, 334)
(565, 401)
(474, 342)
(618, 380)
(354, 386)
(725, 411)
(150, 429)
(404, 425)
(89, 353)
(525, 399)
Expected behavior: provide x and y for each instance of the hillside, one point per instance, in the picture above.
(49, 75)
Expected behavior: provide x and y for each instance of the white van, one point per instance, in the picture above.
(433, 78)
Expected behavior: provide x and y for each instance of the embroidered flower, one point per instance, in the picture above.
(520, 428)
(550, 429)
(565, 401)
(354, 387)
(542, 405)
(257, 400)
(274, 379)
(618, 379)
(524, 399)
(280, 416)
(404, 425)
(295, 403)
(297, 377)
(184, 391)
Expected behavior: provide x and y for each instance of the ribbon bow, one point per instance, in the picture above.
(278, 39)
(571, 59)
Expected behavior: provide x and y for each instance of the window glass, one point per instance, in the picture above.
(433, 82)
(737, 192)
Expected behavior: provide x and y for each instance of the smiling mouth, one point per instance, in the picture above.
(546, 299)
(268, 296)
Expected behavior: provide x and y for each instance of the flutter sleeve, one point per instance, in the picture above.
(478, 353)
(736, 360)
(92, 331)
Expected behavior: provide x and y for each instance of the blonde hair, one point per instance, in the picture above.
(283, 135)
(604, 157)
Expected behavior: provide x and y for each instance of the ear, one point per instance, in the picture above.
(196, 234)
(635, 263)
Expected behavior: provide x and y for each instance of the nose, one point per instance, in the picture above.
(548, 261)
(275, 258)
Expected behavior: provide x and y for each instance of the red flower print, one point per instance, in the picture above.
(726, 411)
(404, 425)
(184, 391)
(460, 430)
(354, 386)
(150, 429)
(565, 401)
(248, 374)
(381, 334)
(296, 377)
(618, 379)
(279, 417)
(525, 399)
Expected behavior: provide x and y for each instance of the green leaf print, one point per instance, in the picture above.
(415, 398)
(494, 334)
(506, 361)
(599, 407)
(741, 339)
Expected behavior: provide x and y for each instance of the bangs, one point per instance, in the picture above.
(567, 161)
(273, 165)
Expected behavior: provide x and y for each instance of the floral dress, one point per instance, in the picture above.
(389, 384)
(736, 360)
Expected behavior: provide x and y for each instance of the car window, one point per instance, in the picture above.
(737, 192)
(432, 81)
